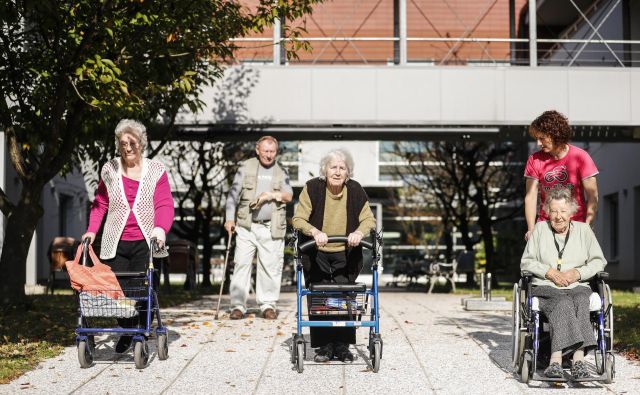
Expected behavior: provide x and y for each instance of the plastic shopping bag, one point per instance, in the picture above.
(99, 278)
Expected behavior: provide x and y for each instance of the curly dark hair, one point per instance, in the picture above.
(551, 124)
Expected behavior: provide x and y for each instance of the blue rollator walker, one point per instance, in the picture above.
(350, 300)
(140, 298)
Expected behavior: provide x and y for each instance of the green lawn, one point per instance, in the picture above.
(42, 325)
(626, 304)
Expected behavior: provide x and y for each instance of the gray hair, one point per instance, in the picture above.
(336, 154)
(560, 193)
(132, 127)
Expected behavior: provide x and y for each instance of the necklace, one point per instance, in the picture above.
(560, 251)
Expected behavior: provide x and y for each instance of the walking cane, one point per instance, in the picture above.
(224, 273)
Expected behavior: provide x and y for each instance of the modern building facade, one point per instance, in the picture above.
(405, 70)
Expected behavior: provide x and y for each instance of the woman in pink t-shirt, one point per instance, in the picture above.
(135, 196)
(558, 164)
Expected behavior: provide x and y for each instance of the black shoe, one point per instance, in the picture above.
(579, 370)
(554, 371)
(342, 352)
(324, 353)
(123, 344)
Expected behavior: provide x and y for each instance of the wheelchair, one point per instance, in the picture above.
(531, 346)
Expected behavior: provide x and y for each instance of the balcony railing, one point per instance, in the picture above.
(439, 51)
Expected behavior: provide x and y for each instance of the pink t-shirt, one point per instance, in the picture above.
(569, 171)
(162, 203)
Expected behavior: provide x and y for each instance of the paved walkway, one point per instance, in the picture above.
(431, 346)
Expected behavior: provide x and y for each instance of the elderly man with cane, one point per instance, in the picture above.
(256, 211)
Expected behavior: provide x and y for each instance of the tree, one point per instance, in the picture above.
(467, 180)
(204, 173)
(70, 70)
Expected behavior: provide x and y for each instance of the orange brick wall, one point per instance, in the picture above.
(425, 18)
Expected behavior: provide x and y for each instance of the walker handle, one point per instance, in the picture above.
(308, 245)
(85, 250)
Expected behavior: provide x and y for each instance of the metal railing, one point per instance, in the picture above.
(437, 51)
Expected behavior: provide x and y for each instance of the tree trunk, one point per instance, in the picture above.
(464, 231)
(20, 227)
(206, 255)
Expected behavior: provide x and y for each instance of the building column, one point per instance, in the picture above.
(512, 30)
(277, 44)
(533, 34)
(402, 19)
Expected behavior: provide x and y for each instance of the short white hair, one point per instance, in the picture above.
(336, 154)
(134, 127)
(560, 193)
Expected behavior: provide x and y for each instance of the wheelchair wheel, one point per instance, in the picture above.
(377, 356)
(141, 354)
(524, 372)
(85, 354)
(609, 369)
(515, 327)
(163, 347)
(300, 357)
(608, 322)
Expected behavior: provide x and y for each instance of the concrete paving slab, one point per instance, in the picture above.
(431, 346)
(487, 305)
(497, 298)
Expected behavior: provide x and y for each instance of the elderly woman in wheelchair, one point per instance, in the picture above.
(560, 259)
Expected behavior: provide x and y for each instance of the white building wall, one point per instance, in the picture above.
(619, 165)
(365, 157)
(374, 95)
(73, 188)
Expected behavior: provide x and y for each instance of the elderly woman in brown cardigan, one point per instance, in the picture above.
(333, 205)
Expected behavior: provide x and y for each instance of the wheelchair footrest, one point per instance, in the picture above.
(357, 287)
(567, 378)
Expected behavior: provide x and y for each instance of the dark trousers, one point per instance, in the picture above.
(326, 268)
(132, 256)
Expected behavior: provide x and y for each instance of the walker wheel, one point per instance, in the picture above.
(163, 347)
(300, 357)
(141, 354)
(377, 356)
(85, 354)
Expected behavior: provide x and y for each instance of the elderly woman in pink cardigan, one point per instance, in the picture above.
(135, 195)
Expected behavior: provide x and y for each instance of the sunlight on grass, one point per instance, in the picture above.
(42, 325)
(626, 316)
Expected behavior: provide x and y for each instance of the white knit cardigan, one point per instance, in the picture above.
(118, 212)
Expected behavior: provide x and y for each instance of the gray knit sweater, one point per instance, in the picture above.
(582, 253)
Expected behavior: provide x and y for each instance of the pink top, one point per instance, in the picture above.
(569, 171)
(162, 203)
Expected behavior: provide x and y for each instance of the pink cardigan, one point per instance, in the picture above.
(162, 202)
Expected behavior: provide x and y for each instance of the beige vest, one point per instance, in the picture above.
(248, 194)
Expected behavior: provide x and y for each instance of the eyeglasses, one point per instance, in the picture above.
(126, 144)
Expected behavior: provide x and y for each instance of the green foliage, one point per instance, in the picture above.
(70, 69)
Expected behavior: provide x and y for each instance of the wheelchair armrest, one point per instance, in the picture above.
(526, 274)
(602, 275)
